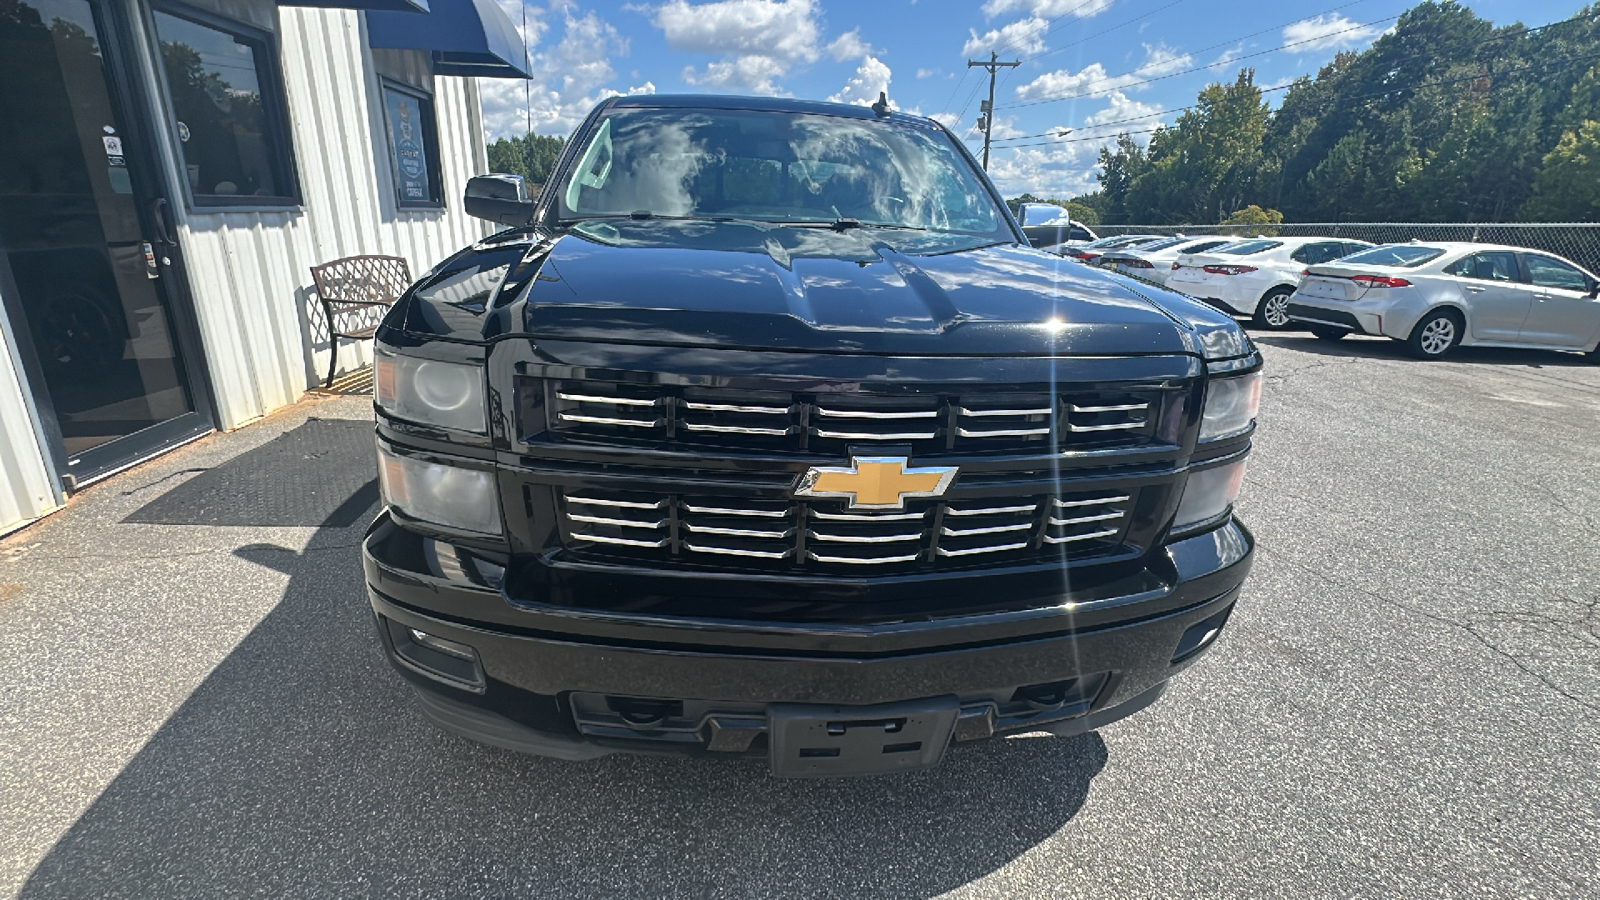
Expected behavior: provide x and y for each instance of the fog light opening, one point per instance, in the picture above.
(441, 659)
(1200, 636)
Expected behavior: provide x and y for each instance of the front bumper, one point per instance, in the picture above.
(571, 682)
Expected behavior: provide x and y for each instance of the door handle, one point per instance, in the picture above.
(158, 214)
(1475, 289)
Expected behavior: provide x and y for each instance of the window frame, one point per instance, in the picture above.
(1517, 267)
(274, 103)
(1527, 266)
(429, 127)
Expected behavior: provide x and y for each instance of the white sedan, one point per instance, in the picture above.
(1437, 296)
(1153, 261)
(1255, 277)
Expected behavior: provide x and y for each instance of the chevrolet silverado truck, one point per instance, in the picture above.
(763, 432)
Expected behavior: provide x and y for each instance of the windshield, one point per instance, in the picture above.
(1162, 244)
(1245, 248)
(778, 167)
(1402, 256)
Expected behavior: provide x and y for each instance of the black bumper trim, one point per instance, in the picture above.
(1301, 312)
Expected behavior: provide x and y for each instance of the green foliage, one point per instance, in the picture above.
(1568, 186)
(1254, 215)
(533, 156)
(1446, 118)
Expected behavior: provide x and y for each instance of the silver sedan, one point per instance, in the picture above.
(1438, 296)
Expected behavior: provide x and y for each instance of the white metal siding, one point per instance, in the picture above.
(249, 271)
(25, 492)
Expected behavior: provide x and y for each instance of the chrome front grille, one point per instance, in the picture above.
(652, 415)
(824, 535)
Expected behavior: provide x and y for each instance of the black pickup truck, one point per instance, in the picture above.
(762, 431)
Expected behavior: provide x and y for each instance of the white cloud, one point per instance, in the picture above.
(569, 77)
(782, 28)
(1021, 36)
(948, 120)
(1120, 110)
(1328, 31)
(757, 40)
(751, 74)
(927, 73)
(850, 46)
(1083, 9)
(871, 78)
(1093, 78)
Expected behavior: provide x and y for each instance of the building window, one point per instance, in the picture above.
(228, 111)
(413, 145)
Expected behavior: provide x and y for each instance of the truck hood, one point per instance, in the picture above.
(870, 291)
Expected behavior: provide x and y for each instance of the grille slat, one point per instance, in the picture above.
(764, 421)
(769, 532)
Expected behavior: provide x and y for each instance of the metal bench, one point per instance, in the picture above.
(350, 289)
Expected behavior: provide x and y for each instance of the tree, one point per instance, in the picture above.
(532, 156)
(1568, 186)
(1255, 219)
(1119, 169)
(1446, 118)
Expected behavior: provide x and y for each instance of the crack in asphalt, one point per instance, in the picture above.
(162, 480)
(1435, 617)
(1275, 378)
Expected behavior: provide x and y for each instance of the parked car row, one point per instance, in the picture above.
(1439, 296)
(1433, 296)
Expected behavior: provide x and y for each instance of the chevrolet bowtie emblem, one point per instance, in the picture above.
(875, 482)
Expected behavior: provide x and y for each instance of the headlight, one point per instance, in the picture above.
(449, 395)
(1209, 494)
(452, 496)
(1231, 405)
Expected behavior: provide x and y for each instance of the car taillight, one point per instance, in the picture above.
(1176, 266)
(1083, 256)
(1229, 270)
(1136, 263)
(1379, 281)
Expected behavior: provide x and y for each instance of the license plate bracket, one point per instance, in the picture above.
(817, 741)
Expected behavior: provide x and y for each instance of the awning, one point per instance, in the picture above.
(396, 5)
(466, 37)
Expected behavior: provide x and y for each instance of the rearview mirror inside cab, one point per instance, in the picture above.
(506, 199)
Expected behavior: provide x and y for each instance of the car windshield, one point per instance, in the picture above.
(1403, 256)
(780, 167)
(1162, 244)
(1245, 248)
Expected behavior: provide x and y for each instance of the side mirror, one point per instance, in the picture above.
(1594, 290)
(506, 199)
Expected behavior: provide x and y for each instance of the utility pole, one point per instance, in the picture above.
(986, 121)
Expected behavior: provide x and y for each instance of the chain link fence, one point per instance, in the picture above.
(1577, 242)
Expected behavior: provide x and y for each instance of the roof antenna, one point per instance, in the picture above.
(881, 108)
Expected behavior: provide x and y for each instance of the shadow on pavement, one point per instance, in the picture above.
(301, 767)
(1384, 348)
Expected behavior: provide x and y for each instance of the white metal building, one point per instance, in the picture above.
(169, 172)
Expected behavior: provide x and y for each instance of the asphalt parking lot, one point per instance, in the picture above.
(1407, 702)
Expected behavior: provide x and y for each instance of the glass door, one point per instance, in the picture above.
(87, 265)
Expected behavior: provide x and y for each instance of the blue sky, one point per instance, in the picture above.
(1093, 66)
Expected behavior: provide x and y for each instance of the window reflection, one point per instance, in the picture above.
(216, 80)
(777, 167)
